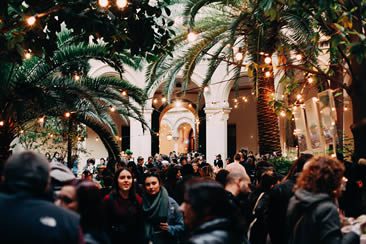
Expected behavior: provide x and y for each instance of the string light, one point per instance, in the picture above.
(163, 99)
(51, 135)
(346, 109)
(67, 114)
(103, 3)
(1, 123)
(267, 74)
(298, 57)
(261, 53)
(298, 96)
(267, 60)
(155, 101)
(31, 20)
(190, 105)
(235, 100)
(192, 36)
(310, 80)
(178, 104)
(121, 3)
(333, 109)
(41, 120)
(206, 89)
(112, 108)
(76, 77)
(96, 139)
(28, 55)
(21, 131)
(124, 93)
(79, 138)
(236, 106)
(239, 56)
(283, 114)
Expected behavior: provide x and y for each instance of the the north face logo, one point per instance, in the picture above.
(48, 221)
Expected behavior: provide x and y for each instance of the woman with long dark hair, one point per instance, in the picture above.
(163, 219)
(123, 209)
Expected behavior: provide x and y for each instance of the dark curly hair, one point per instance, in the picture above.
(321, 174)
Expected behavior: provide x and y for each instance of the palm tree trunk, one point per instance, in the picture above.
(268, 130)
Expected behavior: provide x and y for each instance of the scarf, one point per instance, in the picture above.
(155, 209)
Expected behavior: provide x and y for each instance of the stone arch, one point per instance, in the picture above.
(183, 120)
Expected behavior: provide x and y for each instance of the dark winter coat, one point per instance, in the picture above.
(216, 231)
(313, 218)
(27, 219)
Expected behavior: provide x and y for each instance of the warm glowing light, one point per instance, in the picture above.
(298, 96)
(76, 77)
(120, 138)
(1, 123)
(333, 155)
(27, 55)
(190, 105)
(283, 114)
(267, 74)
(79, 138)
(267, 60)
(112, 109)
(103, 3)
(298, 57)
(239, 56)
(124, 93)
(41, 120)
(169, 137)
(51, 135)
(31, 20)
(192, 36)
(261, 53)
(97, 139)
(206, 89)
(155, 101)
(333, 109)
(253, 93)
(67, 114)
(121, 3)
(163, 99)
(310, 80)
(235, 100)
(21, 131)
(178, 104)
(236, 106)
(346, 109)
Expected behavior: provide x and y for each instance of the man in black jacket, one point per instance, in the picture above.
(26, 216)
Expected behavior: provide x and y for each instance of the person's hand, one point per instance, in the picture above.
(164, 226)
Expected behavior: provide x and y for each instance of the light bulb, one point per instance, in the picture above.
(124, 93)
(121, 3)
(31, 20)
(1, 123)
(103, 3)
(41, 120)
(345, 108)
(267, 60)
(283, 114)
(190, 105)
(192, 36)
(235, 100)
(310, 80)
(178, 104)
(267, 74)
(67, 114)
(298, 96)
(27, 55)
(163, 99)
(298, 57)
(155, 101)
(261, 53)
(239, 56)
(112, 109)
(76, 77)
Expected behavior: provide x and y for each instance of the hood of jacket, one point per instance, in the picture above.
(305, 199)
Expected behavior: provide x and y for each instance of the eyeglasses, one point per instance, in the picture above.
(65, 199)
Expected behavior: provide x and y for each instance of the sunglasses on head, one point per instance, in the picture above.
(65, 199)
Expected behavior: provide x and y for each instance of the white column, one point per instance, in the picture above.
(216, 133)
(141, 140)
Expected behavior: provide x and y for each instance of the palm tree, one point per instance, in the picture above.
(239, 28)
(39, 88)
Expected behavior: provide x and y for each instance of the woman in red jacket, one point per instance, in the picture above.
(123, 209)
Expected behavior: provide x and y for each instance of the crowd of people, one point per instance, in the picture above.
(173, 199)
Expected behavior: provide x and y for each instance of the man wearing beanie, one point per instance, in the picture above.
(25, 216)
